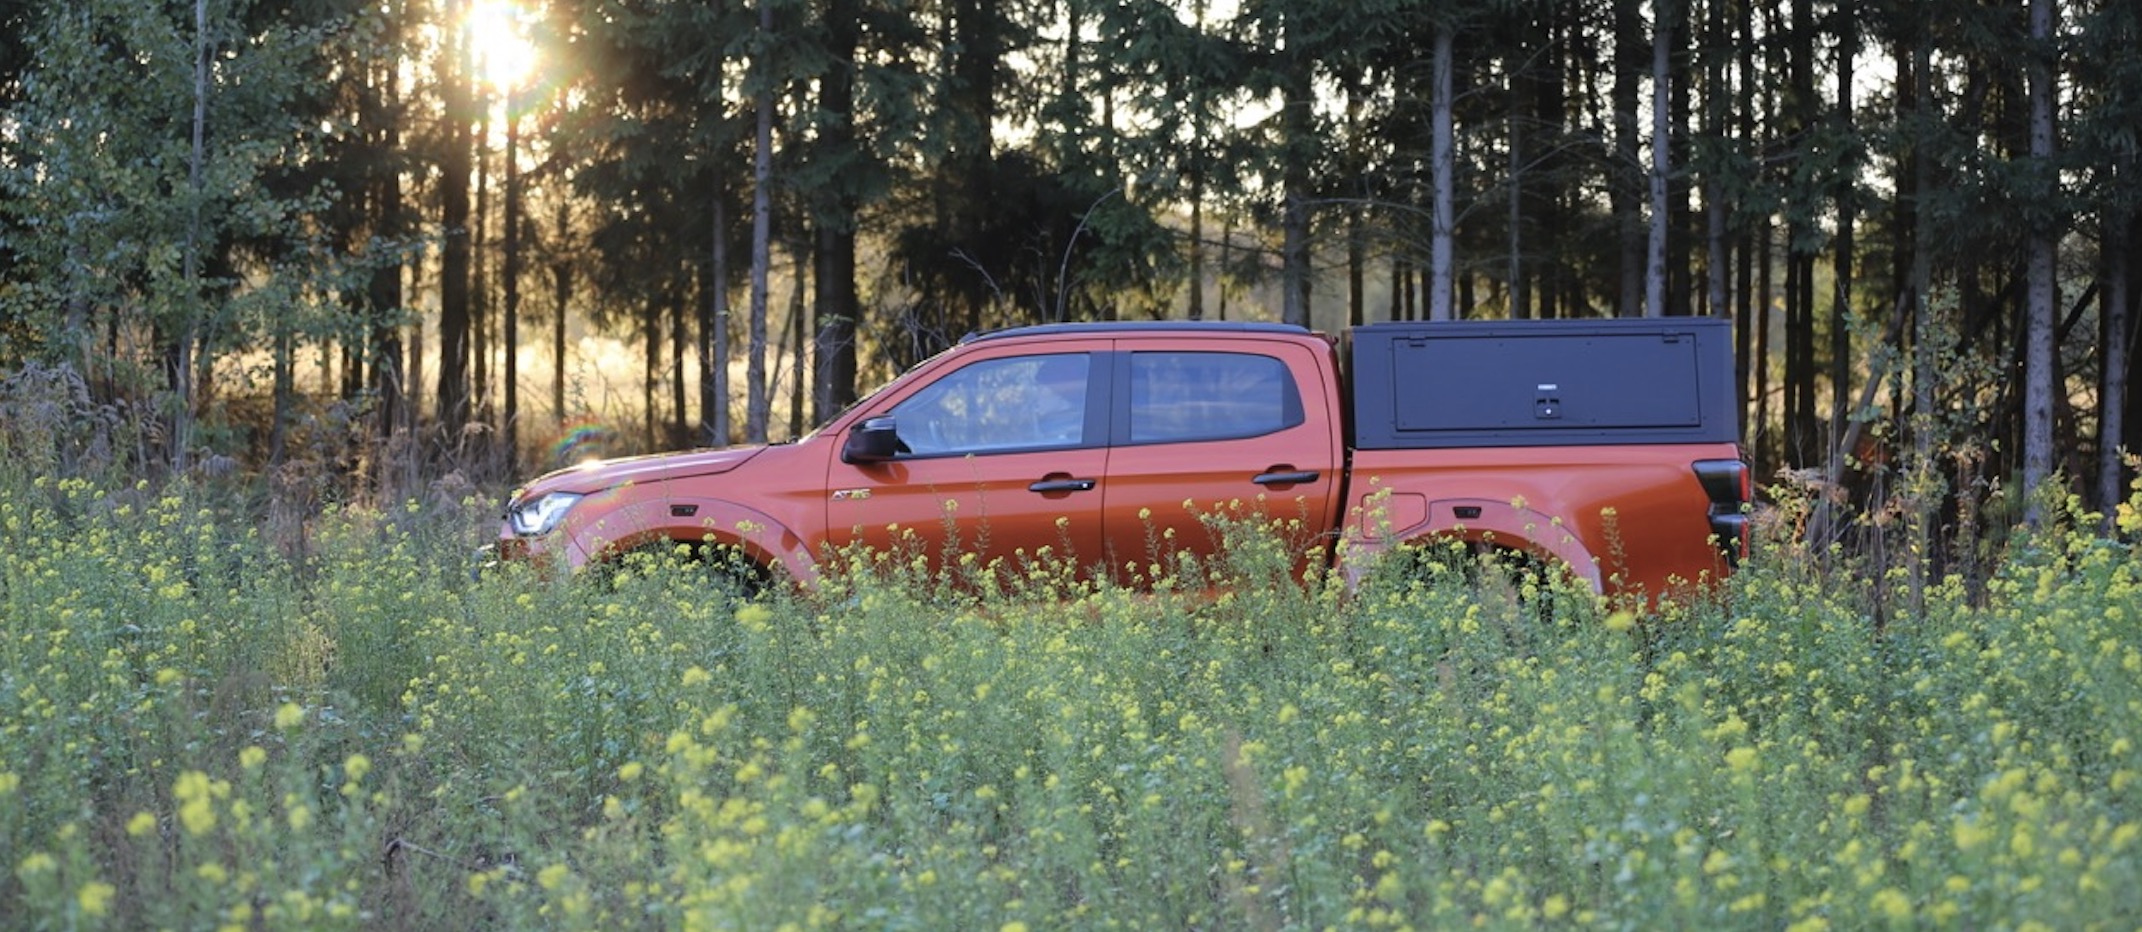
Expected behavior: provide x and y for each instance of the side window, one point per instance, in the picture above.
(1177, 397)
(1018, 403)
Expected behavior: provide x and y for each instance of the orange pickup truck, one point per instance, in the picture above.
(1606, 446)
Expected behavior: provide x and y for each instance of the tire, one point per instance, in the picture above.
(721, 569)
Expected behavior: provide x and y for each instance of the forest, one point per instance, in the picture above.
(292, 290)
(355, 246)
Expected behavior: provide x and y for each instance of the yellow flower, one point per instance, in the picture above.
(754, 616)
(554, 876)
(630, 771)
(1621, 621)
(141, 824)
(289, 715)
(95, 898)
(252, 757)
(1741, 759)
(2125, 835)
(197, 811)
(1892, 903)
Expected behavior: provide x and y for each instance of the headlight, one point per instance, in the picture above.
(538, 517)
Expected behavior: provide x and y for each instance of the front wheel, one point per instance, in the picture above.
(722, 569)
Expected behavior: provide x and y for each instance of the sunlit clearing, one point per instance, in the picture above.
(499, 34)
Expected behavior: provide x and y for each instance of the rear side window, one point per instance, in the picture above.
(1178, 397)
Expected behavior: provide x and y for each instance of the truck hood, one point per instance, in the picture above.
(597, 475)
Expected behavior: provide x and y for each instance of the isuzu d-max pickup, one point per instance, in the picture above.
(1607, 447)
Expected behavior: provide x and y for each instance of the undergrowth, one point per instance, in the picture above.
(201, 725)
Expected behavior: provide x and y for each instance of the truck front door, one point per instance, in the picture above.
(1001, 457)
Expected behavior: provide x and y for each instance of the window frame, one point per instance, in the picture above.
(1094, 433)
(1293, 410)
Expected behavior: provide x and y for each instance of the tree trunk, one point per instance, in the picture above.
(1625, 174)
(651, 376)
(1197, 249)
(678, 296)
(1716, 246)
(758, 406)
(1681, 230)
(1847, 206)
(1823, 523)
(714, 333)
(1357, 172)
(2038, 373)
(1765, 277)
(1227, 242)
(1800, 418)
(1442, 160)
(1923, 507)
(838, 309)
(1520, 295)
(561, 284)
(183, 341)
(2114, 342)
(480, 246)
(1196, 155)
(284, 391)
(1661, 155)
(837, 305)
(510, 338)
(1297, 137)
(453, 394)
(385, 295)
(798, 325)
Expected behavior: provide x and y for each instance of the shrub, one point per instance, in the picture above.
(200, 729)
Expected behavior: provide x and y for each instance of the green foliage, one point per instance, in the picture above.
(203, 728)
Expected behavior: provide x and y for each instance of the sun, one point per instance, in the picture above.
(498, 33)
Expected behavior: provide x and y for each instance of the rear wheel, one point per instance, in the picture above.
(1518, 593)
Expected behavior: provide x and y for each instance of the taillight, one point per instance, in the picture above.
(1729, 486)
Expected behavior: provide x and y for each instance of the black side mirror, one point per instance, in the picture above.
(876, 440)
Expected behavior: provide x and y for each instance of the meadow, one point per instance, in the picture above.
(208, 721)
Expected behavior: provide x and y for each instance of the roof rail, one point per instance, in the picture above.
(1096, 328)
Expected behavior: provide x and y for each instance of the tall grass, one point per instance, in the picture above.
(201, 727)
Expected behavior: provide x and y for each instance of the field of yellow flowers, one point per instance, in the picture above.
(200, 729)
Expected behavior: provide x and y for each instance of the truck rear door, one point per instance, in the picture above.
(1206, 428)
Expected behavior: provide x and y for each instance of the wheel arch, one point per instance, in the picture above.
(636, 525)
(1504, 525)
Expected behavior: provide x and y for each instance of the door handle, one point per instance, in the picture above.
(1046, 486)
(1287, 477)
